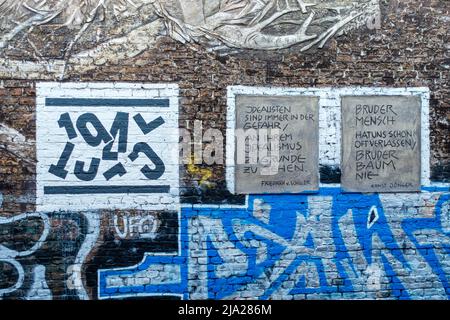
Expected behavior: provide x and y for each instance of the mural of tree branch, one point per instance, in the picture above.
(83, 31)
(264, 24)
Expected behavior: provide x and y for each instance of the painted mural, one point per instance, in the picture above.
(101, 142)
(330, 245)
(119, 184)
(114, 30)
(324, 246)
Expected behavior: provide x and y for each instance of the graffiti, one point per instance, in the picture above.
(427, 236)
(92, 145)
(156, 276)
(38, 249)
(63, 262)
(40, 289)
(139, 226)
(331, 245)
(298, 246)
(327, 245)
(10, 256)
(74, 271)
(128, 263)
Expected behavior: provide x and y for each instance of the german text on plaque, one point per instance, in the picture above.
(381, 143)
(276, 144)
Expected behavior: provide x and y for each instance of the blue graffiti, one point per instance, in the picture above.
(163, 267)
(427, 250)
(328, 244)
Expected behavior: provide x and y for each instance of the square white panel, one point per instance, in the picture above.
(107, 146)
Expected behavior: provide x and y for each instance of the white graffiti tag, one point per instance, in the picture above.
(144, 227)
(9, 255)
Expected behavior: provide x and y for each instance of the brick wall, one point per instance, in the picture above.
(219, 245)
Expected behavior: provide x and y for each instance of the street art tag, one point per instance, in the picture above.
(107, 146)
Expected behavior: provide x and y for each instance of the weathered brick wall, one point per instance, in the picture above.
(219, 245)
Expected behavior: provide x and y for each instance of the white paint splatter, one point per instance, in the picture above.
(39, 290)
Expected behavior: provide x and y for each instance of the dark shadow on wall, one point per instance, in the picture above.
(330, 174)
(441, 173)
(111, 251)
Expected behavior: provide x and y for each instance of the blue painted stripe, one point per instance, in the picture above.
(82, 102)
(436, 188)
(105, 189)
